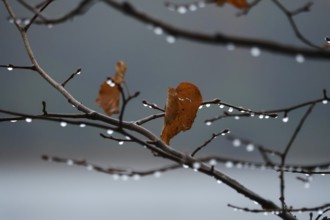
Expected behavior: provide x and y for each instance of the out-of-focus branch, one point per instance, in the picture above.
(216, 39)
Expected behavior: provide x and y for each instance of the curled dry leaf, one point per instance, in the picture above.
(181, 109)
(241, 4)
(109, 93)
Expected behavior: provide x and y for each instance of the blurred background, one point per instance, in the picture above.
(34, 189)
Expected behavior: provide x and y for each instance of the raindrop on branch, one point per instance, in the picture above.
(285, 119)
(213, 162)
(63, 124)
(89, 167)
(192, 7)
(250, 147)
(28, 120)
(236, 143)
(219, 181)
(136, 177)
(121, 142)
(82, 125)
(158, 30)
(157, 174)
(13, 121)
(230, 47)
(10, 68)
(182, 9)
(229, 164)
(170, 39)
(69, 162)
(255, 51)
(231, 109)
(201, 4)
(208, 123)
(109, 131)
(324, 101)
(300, 58)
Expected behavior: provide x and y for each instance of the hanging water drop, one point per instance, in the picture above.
(158, 30)
(185, 166)
(230, 109)
(13, 121)
(230, 47)
(89, 167)
(10, 68)
(157, 174)
(261, 116)
(208, 123)
(236, 117)
(201, 4)
(111, 83)
(255, 51)
(192, 7)
(50, 26)
(250, 147)
(124, 177)
(121, 142)
(109, 131)
(196, 166)
(136, 177)
(69, 162)
(221, 106)
(300, 58)
(213, 162)
(182, 9)
(82, 125)
(208, 105)
(200, 107)
(63, 124)
(115, 177)
(236, 142)
(219, 181)
(285, 119)
(170, 39)
(229, 164)
(324, 101)
(28, 120)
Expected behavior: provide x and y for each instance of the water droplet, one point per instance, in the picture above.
(201, 4)
(208, 123)
(285, 119)
(111, 83)
(11, 20)
(300, 58)
(213, 162)
(266, 116)
(13, 121)
(157, 174)
(219, 181)
(82, 125)
(127, 138)
(239, 165)
(158, 30)
(28, 120)
(255, 51)
(196, 166)
(124, 177)
(208, 105)
(229, 164)
(250, 147)
(50, 26)
(236, 142)
(185, 166)
(69, 162)
(252, 114)
(320, 212)
(63, 124)
(307, 185)
(89, 167)
(26, 21)
(324, 101)
(192, 7)
(237, 117)
(221, 106)
(230, 109)
(136, 177)
(230, 47)
(170, 39)
(261, 116)
(109, 131)
(121, 142)
(78, 73)
(182, 9)
(200, 107)
(10, 68)
(115, 177)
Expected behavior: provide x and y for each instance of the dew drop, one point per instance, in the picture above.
(320, 212)
(213, 162)
(158, 30)
(50, 26)
(208, 123)
(261, 116)
(109, 131)
(221, 106)
(115, 177)
(170, 39)
(127, 138)
(208, 105)
(307, 185)
(300, 58)
(69, 162)
(252, 114)
(200, 107)
(182, 9)
(111, 83)
(121, 142)
(10, 68)
(82, 125)
(229, 164)
(136, 177)
(63, 124)
(237, 117)
(157, 174)
(239, 166)
(219, 181)
(13, 121)
(26, 21)
(250, 147)
(266, 116)
(201, 4)
(285, 119)
(324, 101)
(124, 177)
(196, 166)
(192, 7)
(89, 167)
(236, 143)
(28, 120)
(230, 47)
(255, 51)
(230, 109)
(11, 20)
(185, 166)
